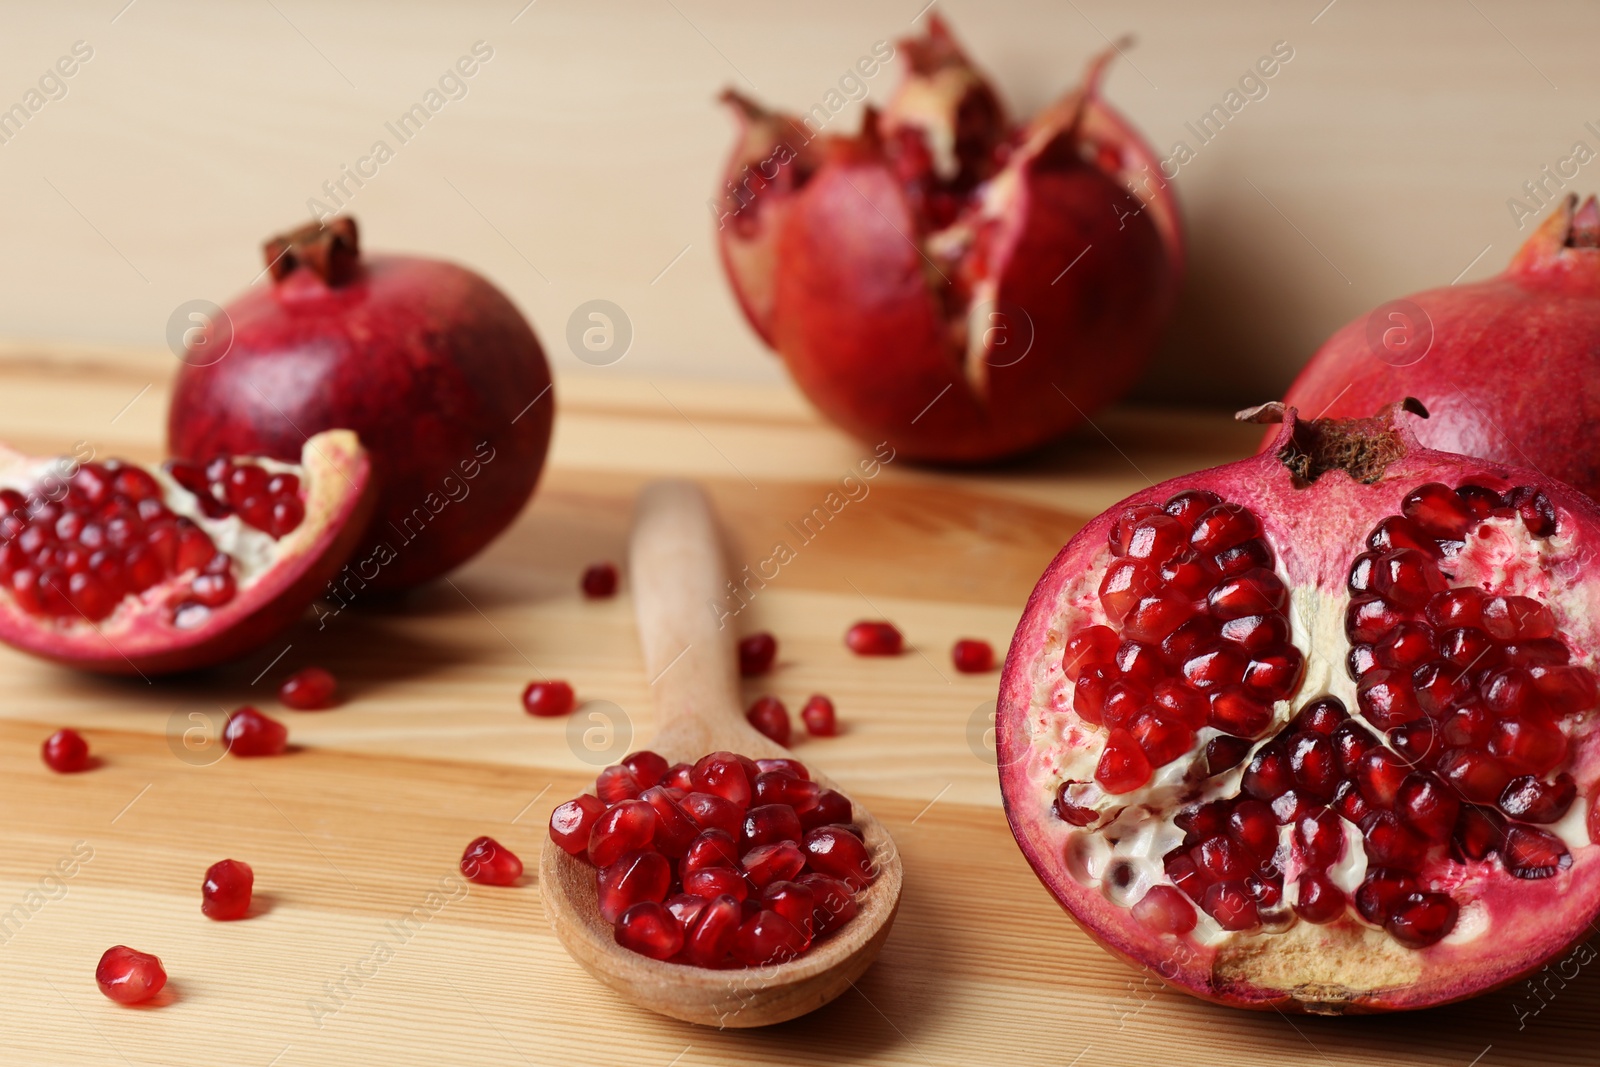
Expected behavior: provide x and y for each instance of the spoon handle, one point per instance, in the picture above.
(678, 577)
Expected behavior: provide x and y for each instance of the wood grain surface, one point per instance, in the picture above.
(365, 951)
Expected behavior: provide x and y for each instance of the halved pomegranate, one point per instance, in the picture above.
(921, 279)
(1316, 730)
(122, 569)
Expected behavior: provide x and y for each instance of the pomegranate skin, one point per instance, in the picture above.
(1513, 370)
(1317, 529)
(433, 367)
(935, 298)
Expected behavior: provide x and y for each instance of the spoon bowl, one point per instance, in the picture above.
(677, 574)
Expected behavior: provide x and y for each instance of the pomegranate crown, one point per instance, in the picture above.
(331, 249)
(1362, 448)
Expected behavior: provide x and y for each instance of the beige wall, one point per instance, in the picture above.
(580, 161)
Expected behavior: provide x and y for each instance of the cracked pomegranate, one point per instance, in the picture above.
(129, 977)
(65, 752)
(124, 569)
(1316, 730)
(728, 862)
(921, 279)
(435, 369)
(1494, 361)
(225, 893)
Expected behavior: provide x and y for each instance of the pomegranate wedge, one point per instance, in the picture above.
(1316, 730)
(122, 569)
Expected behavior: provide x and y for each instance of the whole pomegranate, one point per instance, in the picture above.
(1316, 730)
(961, 286)
(1507, 367)
(429, 363)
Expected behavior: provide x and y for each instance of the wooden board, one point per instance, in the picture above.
(352, 833)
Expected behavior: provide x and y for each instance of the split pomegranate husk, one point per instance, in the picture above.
(428, 362)
(728, 862)
(1316, 730)
(123, 569)
(1500, 364)
(957, 284)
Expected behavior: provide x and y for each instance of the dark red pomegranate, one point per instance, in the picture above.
(113, 567)
(1316, 730)
(951, 282)
(728, 862)
(435, 369)
(1501, 365)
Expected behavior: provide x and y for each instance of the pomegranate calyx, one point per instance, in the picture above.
(332, 250)
(1585, 229)
(1362, 448)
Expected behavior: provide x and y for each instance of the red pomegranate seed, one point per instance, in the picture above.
(770, 717)
(250, 733)
(650, 930)
(1475, 776)
(767, 938)
(631, 878)
(778, 862)
(713, 848)
(1234, 711)
(1215, 667)
(818, 716)
(678, 776)
(1165, 910)
(547, 699)
(1123, 765)
(1390, 844)
(622, 828)
(1156, 537)
(488, 862)
(1155, 617)
(777, 787)
(1189, 505)
(1223, 527)
(1251, 825)
(756, 654)
(838, 853)
(1535, 508)
(312, 689)
(571, 823)
(1319, 839)
(1407, 647)
(1517, 618)
(1457, 607)
(1232, 906)
(1122, 529)
(1225, 753)
(835, 903)
(1529, 852)
(1255, 634)
(1379, 774)
(832, 809)
(648, 767)
(599, 581)
(1387, 700)
(1381, 891)
(1240, 558)
(1124, 699)
(709, 939)
(129, 977)
(1407, 578)
(1314, 765)
(722, 774)
(1318, 900)
(1421, 919)
(712, 812)
(1567, 689)
(1438, 511)
(1427, 807)
(874, 639)
(225, 894)
(1371, 618)
(1532, 800)
(972, 656)
(795, 902)
(1162, 741)
(1268, 775)
(712, 882)
(765, 824)
(66, 752)
(1092, 646)
(1479, 833)
(675, 828)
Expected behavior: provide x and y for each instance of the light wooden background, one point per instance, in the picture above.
(354, 829)
(579, 164)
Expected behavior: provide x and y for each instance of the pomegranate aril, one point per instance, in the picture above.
(1318, 899)
(225, 893)
(773, 787)
(756, 654)
(1188, 505)
(708, 940)
(831, 808)
(1475, 776)
(1535, 508)
(648, 767)
(633, 877)
(1124, 584)
(1371, 618)
(1319, 839)
(1427, 807)
(599, 581)
(1517, 618)
(768, 938)
(1421, 919)
(1314, 765)
(1268, 775)
(874, 639)
(1256, 634)
(1069, 812)
(617, 783)
(1123, 701)
(765, 824)
(1234, 711)
(1092, 646)
(776, 862)
(1381, 891)
(1470, 727)
(129, 977)
(1122, 766)
(1466, 647)
(1531, 799)
(675, 830)
(972, 656)
(1351, 741)
(1161, 740)
(1529, 852)
(1407, 578)
(1224, 753)
(650, 930)
(1240, 558)
(65, 752)
(834, 905)
(1479, 502)
(1255, 592)
(1177, 703)
(250, 733)
(572, 822)
(795, 902)
(1566, 689)
(1390, 844)
(712, 812)
(1396, 531)
(1165, 910)
(311, 689)
(1379, 774)
(1232, 906)
(1215, 667)
(771, 718)
(547, 699)
(1440, 513)
(1456, 607)
(1479, 833)
(1252, 825)
(1189, 575)
(1275, 677)
(1387, 700)
(715, 881)
(1155, 617)
(819, 717)
(1528, 746)
(624, 827)
(1156, 538)
(1223, 527)
(1219, 859)
(722, 774)
(838, 853)
(488, 862)
(712, 848)
(1322, 716)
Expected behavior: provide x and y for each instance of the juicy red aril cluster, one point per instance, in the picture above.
(1198, 636)
(1469, 688)
(109, 535)
(270, 502)
(727, 862)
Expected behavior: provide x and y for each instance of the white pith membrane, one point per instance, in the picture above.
(1134, 830)
(253, 552)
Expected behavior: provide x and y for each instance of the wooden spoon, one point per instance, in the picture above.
(677, 573)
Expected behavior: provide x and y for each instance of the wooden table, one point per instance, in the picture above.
(356, 828)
